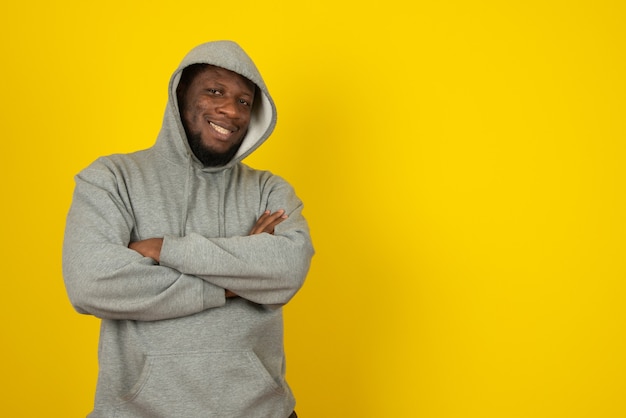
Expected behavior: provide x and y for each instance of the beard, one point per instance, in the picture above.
(207, 156)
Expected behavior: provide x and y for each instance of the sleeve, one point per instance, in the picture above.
(105, 278)
(263, 268)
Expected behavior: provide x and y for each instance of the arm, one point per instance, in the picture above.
(104, 277)
(151, 247)
(263, 268)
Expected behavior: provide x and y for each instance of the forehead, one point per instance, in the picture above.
(223, 76)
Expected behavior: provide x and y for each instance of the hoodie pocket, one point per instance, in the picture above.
(199, 385)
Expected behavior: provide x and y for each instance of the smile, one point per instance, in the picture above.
(220, 129)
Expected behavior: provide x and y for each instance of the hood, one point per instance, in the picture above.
(172, 141)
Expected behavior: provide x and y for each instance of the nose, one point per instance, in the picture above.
(228, 107)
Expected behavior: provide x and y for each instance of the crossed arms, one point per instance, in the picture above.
(151, 247)
(110, 276)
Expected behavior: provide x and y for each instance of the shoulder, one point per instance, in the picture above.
(264, 177)
(120, 162)
(114, 167)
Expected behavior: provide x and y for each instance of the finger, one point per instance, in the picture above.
(258, 226)
(270, 227)
(267, 221)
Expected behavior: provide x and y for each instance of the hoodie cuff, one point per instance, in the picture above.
(171, 253)
(213, 296)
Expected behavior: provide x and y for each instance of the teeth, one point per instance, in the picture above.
(219, 128)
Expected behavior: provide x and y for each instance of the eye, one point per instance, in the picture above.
(244, 102)
(214, 91)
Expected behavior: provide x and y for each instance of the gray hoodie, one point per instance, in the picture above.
(171, 343)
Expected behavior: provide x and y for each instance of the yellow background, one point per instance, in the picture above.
(462, 166)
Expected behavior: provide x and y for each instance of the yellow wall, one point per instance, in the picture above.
(462, 165)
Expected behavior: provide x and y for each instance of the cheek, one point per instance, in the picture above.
(201, 105)
(195, 114)
(247, 115)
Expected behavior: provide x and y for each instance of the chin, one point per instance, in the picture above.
(210, 157)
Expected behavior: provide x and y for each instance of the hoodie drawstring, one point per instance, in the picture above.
(187, 196)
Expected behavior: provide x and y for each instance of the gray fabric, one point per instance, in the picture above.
(171, 344)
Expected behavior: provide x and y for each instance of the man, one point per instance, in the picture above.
(187, 255)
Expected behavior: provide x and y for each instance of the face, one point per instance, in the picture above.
(215, 110)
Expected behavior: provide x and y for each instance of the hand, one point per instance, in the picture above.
(150, 247)
(267, 222)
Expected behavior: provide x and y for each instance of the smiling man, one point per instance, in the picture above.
(215, 106)
(188, 255)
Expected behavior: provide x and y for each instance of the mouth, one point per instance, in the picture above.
(220, 129)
